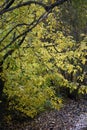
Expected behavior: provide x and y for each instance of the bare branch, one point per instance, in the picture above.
(18, 25)
(45, 6)
(9, 3)
(31, 26)
(21, 5)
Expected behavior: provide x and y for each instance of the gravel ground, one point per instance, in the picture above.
(81, 124)
(70, 117)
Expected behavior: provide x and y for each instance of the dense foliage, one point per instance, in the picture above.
(47, 64)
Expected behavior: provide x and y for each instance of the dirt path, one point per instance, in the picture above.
(81, 124)
(65, 119)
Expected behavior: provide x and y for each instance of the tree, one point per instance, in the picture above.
(24, 48)
(13, 36)
(27, 27)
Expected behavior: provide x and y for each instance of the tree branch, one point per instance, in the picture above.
(31, 26)
(9, 3)
(45, 6)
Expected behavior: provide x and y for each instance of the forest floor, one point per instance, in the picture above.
(66, 118)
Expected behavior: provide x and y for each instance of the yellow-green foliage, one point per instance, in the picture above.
(34, 75)
(27, 86)
(48, 60)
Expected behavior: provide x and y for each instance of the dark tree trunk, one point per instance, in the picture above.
(1, 81)
(1, 88)
(2, 103)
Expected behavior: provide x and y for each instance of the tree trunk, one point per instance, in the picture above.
(1, 81)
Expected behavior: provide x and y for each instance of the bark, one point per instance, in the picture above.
(1, 81)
